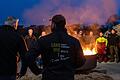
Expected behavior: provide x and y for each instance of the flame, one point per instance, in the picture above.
(89, 52)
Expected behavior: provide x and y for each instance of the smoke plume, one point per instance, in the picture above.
(75, 11)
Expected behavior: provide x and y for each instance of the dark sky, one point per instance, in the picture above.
(36, 11)
(15, 8)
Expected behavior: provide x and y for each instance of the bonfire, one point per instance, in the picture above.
(88, 51)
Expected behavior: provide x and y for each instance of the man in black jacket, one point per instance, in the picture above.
(30, 39)
(61, 53)
(10, 44)
(113, 41)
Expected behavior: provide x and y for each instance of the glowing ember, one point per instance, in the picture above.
(89, 52)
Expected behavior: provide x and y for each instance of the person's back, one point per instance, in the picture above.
(10, 44)
(61, 54)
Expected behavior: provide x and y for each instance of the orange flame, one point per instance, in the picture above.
(87, 51)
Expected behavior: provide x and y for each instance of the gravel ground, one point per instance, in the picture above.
(93, 75)
(103, 71)
(90, 76)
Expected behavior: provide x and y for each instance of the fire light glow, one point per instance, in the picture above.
(87, 51)
(75, 11)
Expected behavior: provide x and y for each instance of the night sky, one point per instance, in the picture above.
(15, 8)
(39, 11)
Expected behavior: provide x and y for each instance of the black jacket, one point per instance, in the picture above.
(113, 39)
(61, 55)
(30, 41)
(11, 43)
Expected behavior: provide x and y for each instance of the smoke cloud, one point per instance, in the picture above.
(75, 11)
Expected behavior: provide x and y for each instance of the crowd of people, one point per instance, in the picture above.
(58, 52)
(106, 44)
(61, 53)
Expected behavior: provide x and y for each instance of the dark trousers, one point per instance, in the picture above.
(7, 77)
(113, 52)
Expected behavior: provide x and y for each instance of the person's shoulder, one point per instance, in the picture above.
(46, 37)
(104, 38)
(34, 36)
(98, 38)
(26, 36)
(73, 39)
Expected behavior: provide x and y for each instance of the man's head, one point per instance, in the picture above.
(30, 32)
(91, 33)
(58, 21)
(80, 32)
(43, 33)
(12, 22)
(113, 31)
(101, 34)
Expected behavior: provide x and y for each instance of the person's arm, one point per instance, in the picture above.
(79, 56)
(25, 41)
(106, 42)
